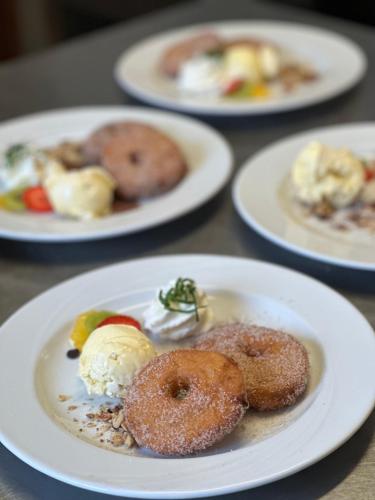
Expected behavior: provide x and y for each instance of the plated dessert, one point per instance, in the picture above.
(112, 169)
(186, 395)
(94, 444)
(336, 186)
(314, 194)
(240, 67)
(246, 67)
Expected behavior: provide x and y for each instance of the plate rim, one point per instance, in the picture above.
(215, 110)
(266, 233)
(160, 220)
(233, 487)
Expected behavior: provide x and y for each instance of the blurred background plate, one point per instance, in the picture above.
(208, 156)
(262, 202)
(340, 62)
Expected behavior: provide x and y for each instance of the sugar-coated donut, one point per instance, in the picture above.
(143, 161)
(176, 55)
(275, 365)
(184, 401)
(92, 147)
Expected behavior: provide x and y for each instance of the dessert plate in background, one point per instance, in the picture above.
(328, 325)
(208, 156)
(261, 199)
(340, 62)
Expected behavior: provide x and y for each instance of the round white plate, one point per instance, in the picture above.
(340, 62)
(260, 199)
(34, 370)
(208, 156)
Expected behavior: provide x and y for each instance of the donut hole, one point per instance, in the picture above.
(178, 388)
(253, 352)
(135, 157)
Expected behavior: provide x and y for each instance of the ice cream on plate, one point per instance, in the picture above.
(110, 358)
(83, 194)
(254, 64)
(334, 188)
(179, 310)
(321, 173)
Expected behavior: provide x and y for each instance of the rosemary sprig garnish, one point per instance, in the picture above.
(14, 154)
(184, 292)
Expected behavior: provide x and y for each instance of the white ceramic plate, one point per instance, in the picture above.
(340, 62)
(34, 370)
(259, 195)
(208, 156)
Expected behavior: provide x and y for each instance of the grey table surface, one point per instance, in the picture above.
(79, 72)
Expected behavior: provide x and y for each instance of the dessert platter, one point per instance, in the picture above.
(240, 67)
(314, 193)
(89, 173)
(168, 370)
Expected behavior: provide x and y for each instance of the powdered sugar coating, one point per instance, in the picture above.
(185, 401)
(275, 364)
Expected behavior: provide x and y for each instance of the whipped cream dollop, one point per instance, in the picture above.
(167, 324)
(111, 357)
(25, 166)
(323, 173)
(201, 74)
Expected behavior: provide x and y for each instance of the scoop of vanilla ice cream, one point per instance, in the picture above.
(83, 194)
(241, 61)
(165, 324)
(368, 193)
(324, 173)
(201, 74)
(269, 61)
(111, 357)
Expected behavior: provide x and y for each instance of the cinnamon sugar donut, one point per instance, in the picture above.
(176, 55)
(184, 401)
(275, 365)
(92, 147)
(143, 161)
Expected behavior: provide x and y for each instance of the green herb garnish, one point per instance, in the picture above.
(15, 153)
(215, 53)
(182, 294)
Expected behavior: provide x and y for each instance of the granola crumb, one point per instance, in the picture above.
(72, 407)
(129, 441)
(323, 209)
(117, 420)
(109, 426)
(63, 397)
(117, 440)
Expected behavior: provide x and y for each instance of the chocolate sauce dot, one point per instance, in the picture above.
(73, 353)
